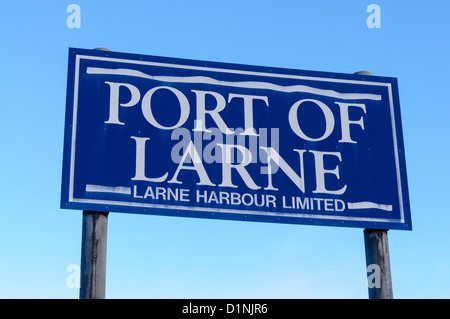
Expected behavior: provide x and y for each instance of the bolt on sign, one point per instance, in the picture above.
(176, 137)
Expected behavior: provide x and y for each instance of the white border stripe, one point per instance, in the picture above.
(397, 168)
(74, 126)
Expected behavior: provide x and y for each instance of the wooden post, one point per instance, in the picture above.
(379, 280)
(93, 255)
(376, 243)
(93, 252)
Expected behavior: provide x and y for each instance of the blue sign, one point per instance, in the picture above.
(164, 136)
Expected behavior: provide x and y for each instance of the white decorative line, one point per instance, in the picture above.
(244, 84)
(108, 189)
(368, 205)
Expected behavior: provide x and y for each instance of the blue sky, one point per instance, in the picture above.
(165, 257)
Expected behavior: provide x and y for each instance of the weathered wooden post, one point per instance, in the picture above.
(378, 263)
(93, 255)
(93, 252)
(377, 257)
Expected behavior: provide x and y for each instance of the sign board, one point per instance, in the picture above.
(176, 137)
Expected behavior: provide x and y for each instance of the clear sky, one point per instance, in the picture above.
(166, 257)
